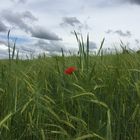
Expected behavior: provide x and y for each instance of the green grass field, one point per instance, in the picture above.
(98, 101)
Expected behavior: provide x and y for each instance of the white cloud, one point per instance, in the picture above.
(42, 19)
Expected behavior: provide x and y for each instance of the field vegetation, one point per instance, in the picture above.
(98, 100)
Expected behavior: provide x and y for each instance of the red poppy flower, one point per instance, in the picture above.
(70, 70)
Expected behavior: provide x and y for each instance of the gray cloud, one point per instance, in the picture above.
(19, 1)
(39, 47)
(120, 32)
(3, 27)
(28, 15)
(125, 34)
(26, 49)
(92, 45)
(137, 41)
(127, 1)
(18, 19)
(22, 1)
(133, 1)
(3, 43)
(52, 47)
(108, 31)
(109, 3)
(40, 32)
(72, 21)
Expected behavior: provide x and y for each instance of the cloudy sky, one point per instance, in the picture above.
(48, 25)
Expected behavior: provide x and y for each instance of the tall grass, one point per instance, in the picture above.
(99, 101)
